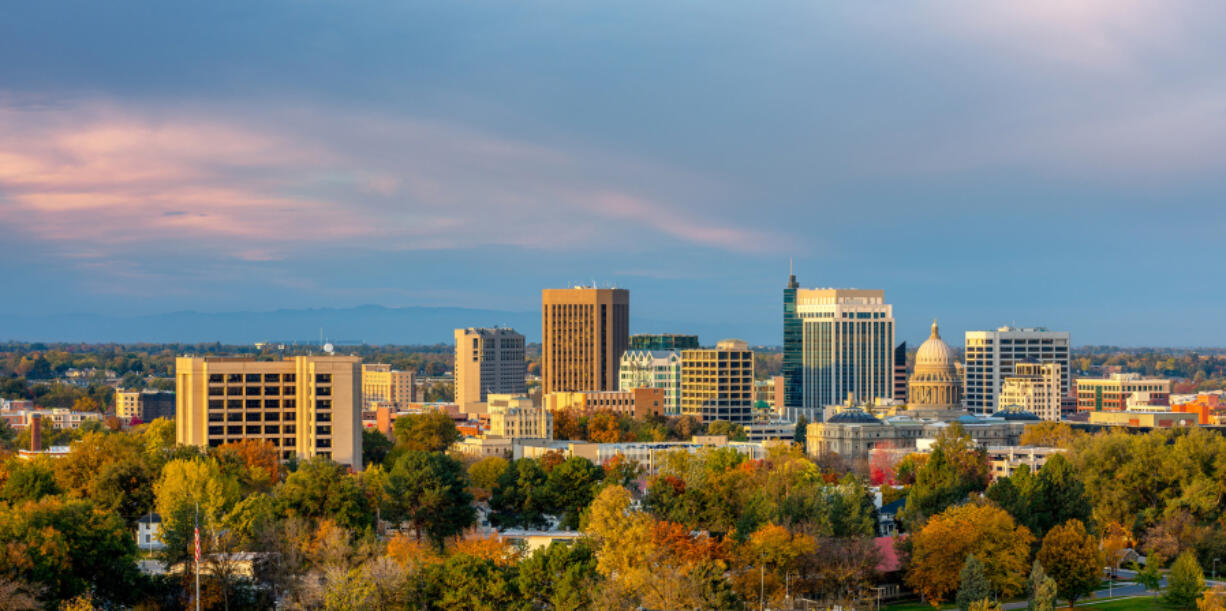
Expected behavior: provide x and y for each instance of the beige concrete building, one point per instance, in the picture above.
(847, 346)
(718, 384)
(518, 417)
(1004, 460)
(636, 403)
(1034, 387)
(305, 405)
(384, 387)
(488, 361)
(1112, 393)
(1145, 420)
(584, 332)
(990, 356)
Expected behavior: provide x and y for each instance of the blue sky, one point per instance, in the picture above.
(1038, 163)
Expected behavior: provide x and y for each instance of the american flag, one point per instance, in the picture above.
(197, 536)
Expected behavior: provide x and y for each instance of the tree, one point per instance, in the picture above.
(1058, 496)
(17, 595)
(973, 584)
(124, 487)
(1185, 582)
(427, 489)
(1212, 599)
(28, 480)
(466, 582)
(1115, 539)
(375, 447)
(484, 473)
(433, 431)
(188, 488)
(522, 496)
(1042, 590)
(85, 404)
(571, 487)
(1050, 435)
(988, 532)
(841, 569)
(1072, 558)
(1149, 576)
(734, 432)
(321, 489)
(802, 426)
(560, 576)
(956, 467)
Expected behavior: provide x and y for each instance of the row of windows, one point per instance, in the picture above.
(289, 378)
(253, 403)
(267, 429)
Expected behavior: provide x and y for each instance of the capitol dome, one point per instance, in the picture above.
(934, 384)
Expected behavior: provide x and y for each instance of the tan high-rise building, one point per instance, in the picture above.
(718, 384)
(305, 405)
(381, 386)
(488, 361)
(584, 332)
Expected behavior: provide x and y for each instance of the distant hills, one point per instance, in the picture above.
(371, 324)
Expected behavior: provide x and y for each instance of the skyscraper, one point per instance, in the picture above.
(990, 356)
(847, 347)
(900, 372)
(718, 384)
(488, 361)
(584, 332)
(793, 345)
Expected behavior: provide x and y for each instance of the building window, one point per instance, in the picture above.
(323, 404)
(323, 430)
(253, 377)
(323, 391)
(272, 377)
(323, 378)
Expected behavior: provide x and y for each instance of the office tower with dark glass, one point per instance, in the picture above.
(663, 341)
(847, 348)
(900, 372)
(793, 345)
(584, 332)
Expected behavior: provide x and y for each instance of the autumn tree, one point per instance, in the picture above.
(1050, 435)
(1072, 558)
(433, 431)
(1115, 539)
(1185, 582)
(322, 489)
(955, 467)
(1212, 599)
(191, 492)
(988, 532)
(28, 480)
(484, 474)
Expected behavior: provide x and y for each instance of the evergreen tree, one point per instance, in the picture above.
(802, 424)
(1185, 582)
(974, 583)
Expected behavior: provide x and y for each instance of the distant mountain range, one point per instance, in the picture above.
(369, 324)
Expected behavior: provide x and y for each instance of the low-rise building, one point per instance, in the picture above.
(646, 454)
(1143, 419)
(59, 417)
(518, 417)
(484, 447)
(1111, 393)
(854, 433)
(1004, 460)
(144, 405)
(1034, 387)
(636, 403)
(1208, 407)
(783, 430)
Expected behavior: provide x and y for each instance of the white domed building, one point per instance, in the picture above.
(935, 383)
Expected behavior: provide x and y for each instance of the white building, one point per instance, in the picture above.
(1004, 460)
(847, 347)
(991, 355)
(518, 417)
(653, 369)
(1034, 387)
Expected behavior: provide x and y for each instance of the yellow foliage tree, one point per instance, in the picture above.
(988, 532)
(410, 553)
(1213, 599)
(492, 547)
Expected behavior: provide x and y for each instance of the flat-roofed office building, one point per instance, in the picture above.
(584, 332)
(383, 386)
(846, 348)
(717, 384)
(991, 355)
(488, 361)
(304, 405)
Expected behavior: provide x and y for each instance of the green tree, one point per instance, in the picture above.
(956, 467)
(321, 488)
(560, 576)
(1149, 576)
(1073, 559)
(1041, 590)
(802, 426)
(1059, 496)
(124, 487)
(28, 480)
(191, 492)
(522, 496)
(734, 432)
(431, 432)
(973, 584)
(571, 487)
(375, 447)
(427, 489)
(484, 473)
(1186, 581)
(467, 582)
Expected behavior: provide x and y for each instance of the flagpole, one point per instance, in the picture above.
(197, 541)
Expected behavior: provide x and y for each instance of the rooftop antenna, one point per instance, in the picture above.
(790, 266)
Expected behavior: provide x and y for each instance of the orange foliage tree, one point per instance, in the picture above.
(988, 532)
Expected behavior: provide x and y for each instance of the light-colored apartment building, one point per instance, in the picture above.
(145, 405)
(304, 405)
(653, 369)
(991, 355)
(488, 361)
(1112, 393)
(717, 384)
(1034, 387)
(847, 346)
(383, 386)
(584, 332)
(636, 403)
(518, 417)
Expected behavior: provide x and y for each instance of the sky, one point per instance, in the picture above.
(1049, 163)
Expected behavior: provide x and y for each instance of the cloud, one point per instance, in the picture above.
(100, 179)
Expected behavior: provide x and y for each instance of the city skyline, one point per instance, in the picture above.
(1028, 164)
